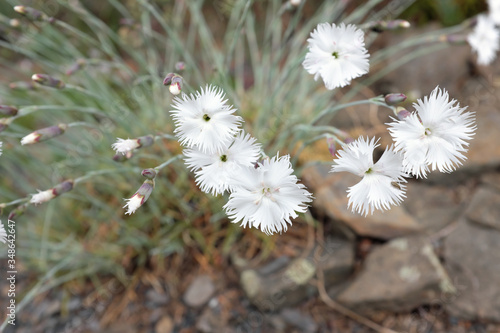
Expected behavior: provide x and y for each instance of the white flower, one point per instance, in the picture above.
(494, 10)
(124, 146)
(30, 139)
(337, 54)
(204, 120)
(484, 40)
(42, 196)
(267, 197)
(214, 170)
(381, 184)
(140, 197)
(435, 135)
(3, 233)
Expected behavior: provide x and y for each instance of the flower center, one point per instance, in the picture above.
(370, 170)
(335, 54)
(206, 117)
(428, 131)
(223, 158)
(268, 193)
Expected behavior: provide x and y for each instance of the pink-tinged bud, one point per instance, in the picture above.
(140, 197)
(119, 158)
(380, 26)
(4, 123)
(44, 134)
(149, 173)
(63, 187)
(348, 140)
(6, 110)
(145, 141)
(174, 81)
(21, 85)
(331, 145)
(48, 81)
(393, 99)
(168, 79)
(180, 66)
(31, 13)
(402, 114)
(18, 211)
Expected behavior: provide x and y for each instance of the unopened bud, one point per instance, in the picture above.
(6, 110)
(140, 197)
(48, 81)
(44, 134)
(168, 79)
(145, 141)
(348, 140)
(331, 145)
(4, 123)
(403, 113)
(393, 99)
(149, 173)
(180, 66)
(380, 26)
(63, 187)
(18, 211)
(21, 85)
(31, 13)
(295, 3)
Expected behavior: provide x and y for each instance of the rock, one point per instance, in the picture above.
(303, 322)
(289, 285)
(329, 189)
(157, 298)
(472, 255)
(199, 291)
(398, 276)
(491, 180)
(164, 325)
(484, 207)
(433, 207)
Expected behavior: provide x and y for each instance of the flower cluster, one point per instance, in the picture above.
(224, 158)
(434, 136)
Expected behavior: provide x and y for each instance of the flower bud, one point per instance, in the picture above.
(4, 123)
(140, 197)
(18, 211)
(31, 13)
(145, 141)
(44, 134)
(48, 81)
(295, 3)
(168, 79)
(403, 113)
(393, 99)
(348, 140)
(44, 196)
(380, 26)
(180, 66)
(63, 187)
(149, 173)
(330, 141)
(6, 110)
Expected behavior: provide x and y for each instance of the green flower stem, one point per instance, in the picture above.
(167, 162)
(375, 100)
(104, 172)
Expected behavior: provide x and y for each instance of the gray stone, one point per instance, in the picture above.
(433, 207)
(329, 189)
(472, 256)
(484, 208)
(157, 298)
(199, 291)
(289, 285)
(301, 321)
(398, 276)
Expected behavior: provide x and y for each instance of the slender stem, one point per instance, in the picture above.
(15, 202)
(103, 172)
(169, 161)
(165, 136)
(375, 100)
